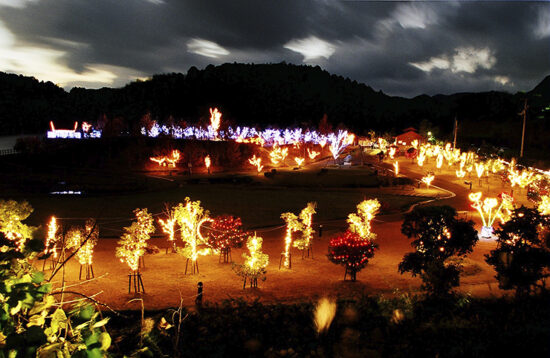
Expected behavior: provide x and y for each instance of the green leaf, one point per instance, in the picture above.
(105, 340)
(94, 353)
(37, 277)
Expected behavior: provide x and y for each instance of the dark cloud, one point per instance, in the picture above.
(374, 42)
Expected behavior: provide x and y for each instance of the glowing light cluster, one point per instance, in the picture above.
(207, 163)
(292, 225)
(544, 205)
(257, 162)
(167, 161)
(522, 179)
(168, 225)
(278, 155)
(191, 217)
(338, 142)
(50, 246)
(257, 261)
(312, 154)
(132, 244)
(226, 232)
(299, 161)
(12, 214)
(306, 218)
(428, 179)
(83, 240)
(490, 209)
(360, 223)
(215, 120)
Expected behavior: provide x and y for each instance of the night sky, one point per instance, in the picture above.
(401, 48)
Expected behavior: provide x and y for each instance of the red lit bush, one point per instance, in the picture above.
(351, 251)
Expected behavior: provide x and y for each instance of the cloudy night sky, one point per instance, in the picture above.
(401, 48)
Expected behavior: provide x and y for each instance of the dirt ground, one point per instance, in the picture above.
(166, 285)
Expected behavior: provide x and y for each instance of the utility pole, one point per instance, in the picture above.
(456, 130)
(524, 113)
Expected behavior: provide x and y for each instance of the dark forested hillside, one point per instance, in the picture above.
(272, 94)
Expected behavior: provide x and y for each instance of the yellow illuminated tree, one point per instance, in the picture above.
(83, 241)
(190, 217)
(292, 225)
(168, 225)
(255, 263)
(12, 214)
(133, 242)
(360, 223)
(306, 218)
(52, 239)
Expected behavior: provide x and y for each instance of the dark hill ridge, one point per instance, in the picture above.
(268, 94)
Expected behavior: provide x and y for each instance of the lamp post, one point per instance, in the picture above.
(524, 113)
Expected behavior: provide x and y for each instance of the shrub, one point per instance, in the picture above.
(522, 256)
(438, 235)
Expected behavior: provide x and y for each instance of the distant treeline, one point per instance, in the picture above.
(273, 95)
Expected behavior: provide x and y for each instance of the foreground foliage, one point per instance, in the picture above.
(364, 327)
(32, 321)
(522, 256)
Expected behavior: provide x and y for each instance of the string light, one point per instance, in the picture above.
(257, 261)
(226, 232)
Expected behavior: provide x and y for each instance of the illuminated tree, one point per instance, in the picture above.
(226, 233)
(190, 218)
(32, 322)
(255, 263)
(168, 225)
(522, 256)
(133, 242)
(292, 225)
(355, 247)
(11, 215)
(52, 239)
(83, 242)
(351, 251)
(306, 218)
(360, 223)
(438, 234)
